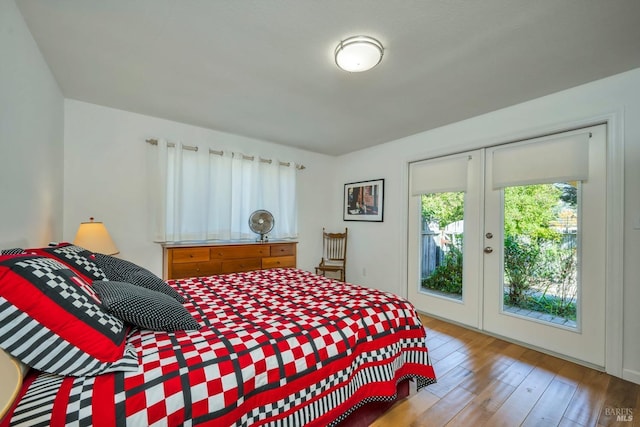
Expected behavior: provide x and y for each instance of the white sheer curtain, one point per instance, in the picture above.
(202, 195)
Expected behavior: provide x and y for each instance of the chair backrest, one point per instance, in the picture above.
(334, 246)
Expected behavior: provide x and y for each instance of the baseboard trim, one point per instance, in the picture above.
(631, 375)
(522, 344)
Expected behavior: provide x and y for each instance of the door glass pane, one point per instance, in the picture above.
(540, 278)
(441, 243)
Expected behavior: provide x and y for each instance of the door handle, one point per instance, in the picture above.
(488, 250)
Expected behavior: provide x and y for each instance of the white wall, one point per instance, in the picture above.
(380, 248)
(31, 138)
(105, 177)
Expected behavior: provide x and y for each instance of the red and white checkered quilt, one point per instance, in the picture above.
(279, 347)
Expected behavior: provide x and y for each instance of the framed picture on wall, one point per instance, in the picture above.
(364, 201)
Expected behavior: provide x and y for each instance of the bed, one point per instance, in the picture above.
(280, 347)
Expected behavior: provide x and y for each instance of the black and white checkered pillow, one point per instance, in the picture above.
(121, 270)
(12, 251)
(51, 320)
(144, 307)
(76, 258)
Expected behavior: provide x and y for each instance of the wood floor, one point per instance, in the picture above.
(485, 381)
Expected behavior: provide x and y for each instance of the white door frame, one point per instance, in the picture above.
(614, 306)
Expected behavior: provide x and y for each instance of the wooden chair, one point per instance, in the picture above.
(334, 254)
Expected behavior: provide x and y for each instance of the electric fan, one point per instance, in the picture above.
(261, 222)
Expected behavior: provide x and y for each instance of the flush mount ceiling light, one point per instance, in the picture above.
(358, 53)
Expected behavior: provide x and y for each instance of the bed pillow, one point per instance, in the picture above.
(51, 320)
(120, 270)
(12, 251)
(75, 257)
(143, 307)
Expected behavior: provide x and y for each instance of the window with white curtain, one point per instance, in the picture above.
(197, 194)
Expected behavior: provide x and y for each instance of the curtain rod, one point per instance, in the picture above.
(220, 153)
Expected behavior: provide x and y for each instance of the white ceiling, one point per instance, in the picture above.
(265, 69)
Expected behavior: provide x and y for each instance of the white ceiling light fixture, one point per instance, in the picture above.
(358, 53)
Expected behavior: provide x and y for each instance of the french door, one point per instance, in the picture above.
(511, 240)
(445, 245)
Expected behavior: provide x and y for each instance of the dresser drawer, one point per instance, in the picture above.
(207, 260)
(279, 261)
(195, 269)
(245, 264)
(240, 251)
(284, 249)
(181, 255)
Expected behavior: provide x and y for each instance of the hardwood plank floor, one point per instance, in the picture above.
(485, 381)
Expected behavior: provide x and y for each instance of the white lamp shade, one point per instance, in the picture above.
(95, 237)
(358, 53)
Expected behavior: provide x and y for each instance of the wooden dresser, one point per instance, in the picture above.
(193, 260)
